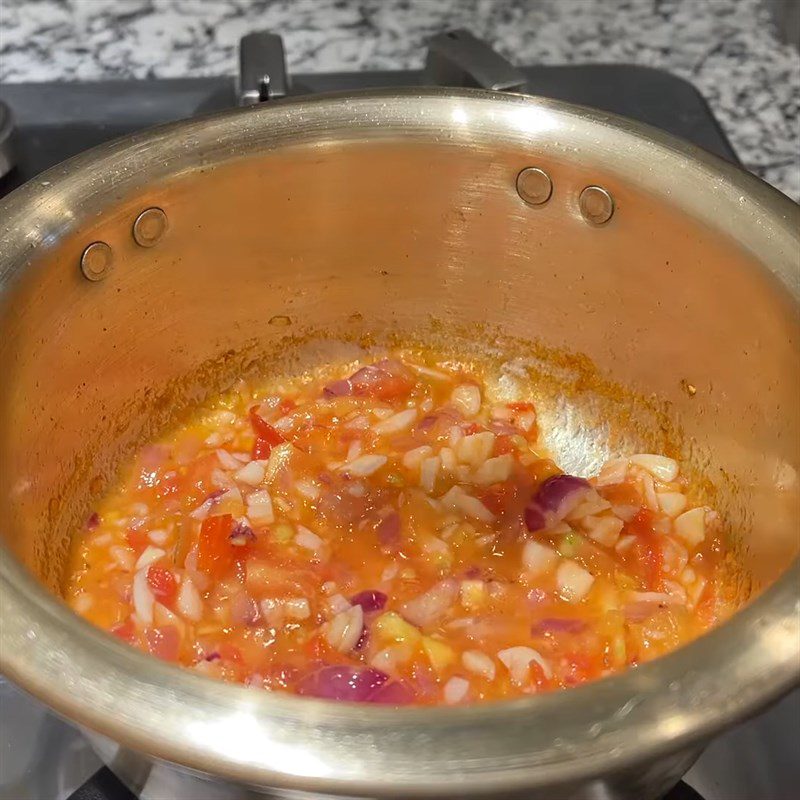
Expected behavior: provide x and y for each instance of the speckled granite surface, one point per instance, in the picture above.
(727, 48)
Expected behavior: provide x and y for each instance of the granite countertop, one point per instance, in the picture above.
(727, 48)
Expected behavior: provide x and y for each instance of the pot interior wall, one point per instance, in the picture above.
(653, 332)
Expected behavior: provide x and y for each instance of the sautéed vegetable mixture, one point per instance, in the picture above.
(394, 537)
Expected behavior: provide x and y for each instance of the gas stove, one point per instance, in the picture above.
(44, 758)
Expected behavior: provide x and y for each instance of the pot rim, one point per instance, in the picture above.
(262, 738)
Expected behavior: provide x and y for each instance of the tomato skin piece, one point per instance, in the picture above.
(521, 406)
(266, 436)
(215, 553)
(647, 548)
(163, 583)
(164, 642)
(125, 630)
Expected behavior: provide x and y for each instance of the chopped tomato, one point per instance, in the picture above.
(215, 553)
(229, 652)
(137, 539)
(266, 436)
(470, 428)
(503, 445)
(285, 406)
(163, 642)
(163, 583)
(498, 497)
(125, 631)
(521, 406)
(647, 548)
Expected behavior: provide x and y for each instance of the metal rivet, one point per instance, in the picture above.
(596, 204)
(534, 186)
(149, 227)
(96, 261)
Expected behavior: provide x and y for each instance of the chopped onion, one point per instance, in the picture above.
(259, 508)
(691, 526)
(671, 503)
(475, 448)
(455, 690)
(479, 663)
(143, 598)
(467, 399)
(474, 508)
(251, 474)
(661, 467)
(337, 603)
(149, 556)
(188, 602)
(613, 472)
(158, 536)
(308, 489)
(278, 457)
(428, 472)
(604, 530)
(448, 458)
(353, 452)
(396, 423)
(538, 558)
(365, 465)
(345, 629)
(430, 606)
(308, 539)
(625, 543)
(494, 470)
(649, 488)
(455, 435)
(526, 421)
(226, 460)
(413, 458)
(272, 610)
(124, 556)
(573, 581)
(518, 662)
(297, 608)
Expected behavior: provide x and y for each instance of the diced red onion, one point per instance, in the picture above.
(242, 533)
(215, 656)
(369, 600)
(340, 682)
(553, 500)
(340, 388)
(93, 521)
(392, 693)
(558, 625)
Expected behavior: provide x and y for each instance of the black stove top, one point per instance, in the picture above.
(55, 121)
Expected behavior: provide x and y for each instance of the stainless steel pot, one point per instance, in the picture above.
(657, 311)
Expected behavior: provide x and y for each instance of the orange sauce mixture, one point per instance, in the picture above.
(392, 536)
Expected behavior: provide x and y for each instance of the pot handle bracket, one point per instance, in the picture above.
(262, 69)
(457, 58)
